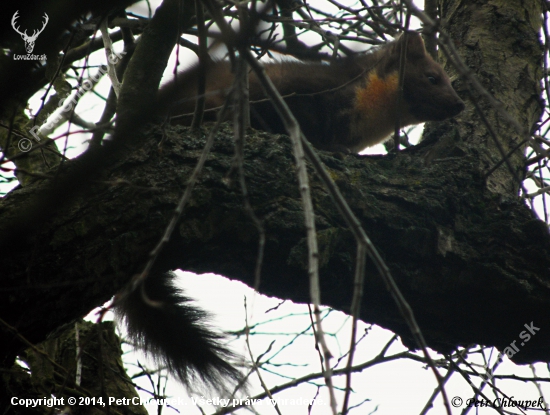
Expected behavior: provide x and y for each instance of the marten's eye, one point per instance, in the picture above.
(432, 79)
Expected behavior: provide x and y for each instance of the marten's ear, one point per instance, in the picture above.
(415, 51)
(415, 46)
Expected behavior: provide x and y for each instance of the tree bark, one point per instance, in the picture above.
(473, 266)
(499, 41)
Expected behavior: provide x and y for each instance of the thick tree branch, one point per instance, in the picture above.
(473, 267)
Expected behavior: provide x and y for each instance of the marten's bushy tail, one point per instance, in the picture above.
(162, 322)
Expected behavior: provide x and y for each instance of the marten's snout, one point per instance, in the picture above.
(456, 108)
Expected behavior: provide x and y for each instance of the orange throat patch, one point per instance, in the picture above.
(376, 108)
(379, 95)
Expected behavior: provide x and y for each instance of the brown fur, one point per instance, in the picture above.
(346, 106)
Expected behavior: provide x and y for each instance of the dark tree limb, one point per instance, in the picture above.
(473, 267)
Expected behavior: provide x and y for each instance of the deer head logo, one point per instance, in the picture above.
(29, 40)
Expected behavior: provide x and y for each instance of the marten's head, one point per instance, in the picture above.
(427, 89)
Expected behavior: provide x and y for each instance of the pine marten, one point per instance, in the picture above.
(347, 105)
